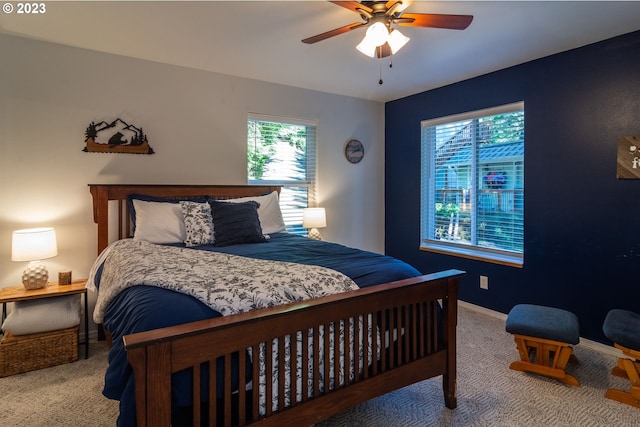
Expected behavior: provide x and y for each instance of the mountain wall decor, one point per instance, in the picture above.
(116, 137)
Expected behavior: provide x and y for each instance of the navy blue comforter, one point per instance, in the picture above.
(141, 308)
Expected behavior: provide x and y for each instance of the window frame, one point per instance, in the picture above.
(428, 191)
(310, 183)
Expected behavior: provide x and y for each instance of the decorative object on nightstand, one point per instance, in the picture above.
(34, 244)
(314, 218)
(64, 278)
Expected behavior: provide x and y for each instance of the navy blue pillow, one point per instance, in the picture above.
(235, 223)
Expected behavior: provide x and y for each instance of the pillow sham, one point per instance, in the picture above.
(158, 222)
(43, 315)
(145, 198)
(236, 223)
(198, 223)
(268, 211)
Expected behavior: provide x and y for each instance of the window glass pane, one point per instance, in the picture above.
(292, 201)
(282, 151)
(473, 180)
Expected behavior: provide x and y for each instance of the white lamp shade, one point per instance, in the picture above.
(377, 34)
(396, 40)
(367, 47)
(34, 244)
(314, 218)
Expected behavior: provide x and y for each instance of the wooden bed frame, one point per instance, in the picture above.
(420, 342)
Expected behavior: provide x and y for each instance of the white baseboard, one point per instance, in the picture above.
(594, 345)
(483, 310)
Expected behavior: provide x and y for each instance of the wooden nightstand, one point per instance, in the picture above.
(20, 293)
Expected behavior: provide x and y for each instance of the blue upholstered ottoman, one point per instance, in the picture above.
(623, 328)
(544, 336)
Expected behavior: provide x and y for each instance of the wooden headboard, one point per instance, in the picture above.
(104, 193)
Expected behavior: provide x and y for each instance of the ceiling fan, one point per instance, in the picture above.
(381, 39)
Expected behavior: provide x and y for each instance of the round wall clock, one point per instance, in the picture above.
(354, 151)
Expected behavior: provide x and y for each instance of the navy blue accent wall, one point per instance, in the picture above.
(582, 225)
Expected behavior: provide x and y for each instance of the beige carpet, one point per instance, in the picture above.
(489, 394)
(64, 395)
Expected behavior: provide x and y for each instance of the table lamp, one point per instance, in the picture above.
(314, 218)
(34, 244)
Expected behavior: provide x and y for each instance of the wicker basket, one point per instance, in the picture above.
(24, 353)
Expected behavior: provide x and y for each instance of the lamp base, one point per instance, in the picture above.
(35, 276)
(314, 234)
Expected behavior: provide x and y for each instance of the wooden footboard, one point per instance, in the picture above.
(395, 335)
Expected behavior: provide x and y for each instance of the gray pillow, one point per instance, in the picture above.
(43, 315)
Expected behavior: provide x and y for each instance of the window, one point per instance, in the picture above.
(282, 151)
(472, 201)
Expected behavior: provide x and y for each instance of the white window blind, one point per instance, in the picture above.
(282, 151)
(472, 200)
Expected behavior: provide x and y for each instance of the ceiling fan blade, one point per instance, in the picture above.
(402, 6)
(336, 32)
(353, 6)
(430, 20)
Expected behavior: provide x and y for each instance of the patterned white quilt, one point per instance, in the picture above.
(229, 284)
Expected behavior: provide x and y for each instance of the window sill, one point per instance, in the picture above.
(478, 254)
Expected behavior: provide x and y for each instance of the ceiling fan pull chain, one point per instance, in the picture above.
(380, 81)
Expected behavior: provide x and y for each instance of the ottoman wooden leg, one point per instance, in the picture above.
(627, 368)
(551, 358)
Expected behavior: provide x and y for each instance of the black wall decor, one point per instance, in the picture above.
(116, 137)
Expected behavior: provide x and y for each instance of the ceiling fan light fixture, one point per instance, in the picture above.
(367, 47)
(379, 17)
(396, 40)
(377, 33)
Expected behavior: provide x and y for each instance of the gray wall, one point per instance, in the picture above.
(196, 123)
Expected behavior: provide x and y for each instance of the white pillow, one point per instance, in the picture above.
(159, 222)
(268, 212)
(43, 315)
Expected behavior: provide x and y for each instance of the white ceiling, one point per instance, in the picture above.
(261, 39)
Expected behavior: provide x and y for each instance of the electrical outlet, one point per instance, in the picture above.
(484, 282)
